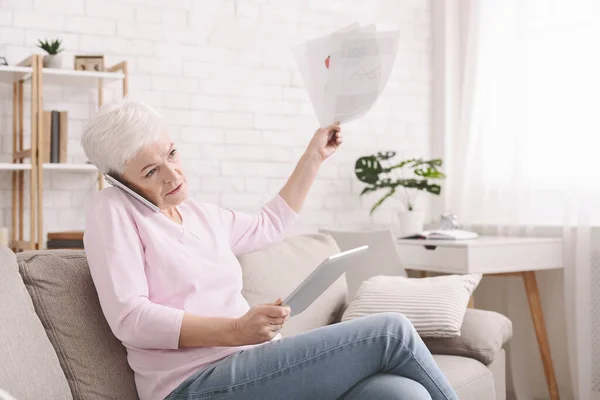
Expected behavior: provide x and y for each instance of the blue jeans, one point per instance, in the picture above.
(375, 357)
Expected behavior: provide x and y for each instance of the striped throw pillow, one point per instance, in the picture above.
(436, 306)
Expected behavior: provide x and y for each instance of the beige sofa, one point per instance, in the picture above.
(55, 343)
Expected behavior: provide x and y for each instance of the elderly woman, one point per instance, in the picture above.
(170, 285)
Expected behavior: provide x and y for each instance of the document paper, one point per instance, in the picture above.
(346, 71)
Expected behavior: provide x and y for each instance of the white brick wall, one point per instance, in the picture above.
(230, 88)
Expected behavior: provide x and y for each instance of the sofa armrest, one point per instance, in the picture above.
(482, 335)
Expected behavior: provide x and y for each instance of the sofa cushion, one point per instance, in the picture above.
(470, 379)
(436, 306)
(275, 272)
(4, 395)
(482, 335)
(498, 368)
(29, 367)
(63, 293)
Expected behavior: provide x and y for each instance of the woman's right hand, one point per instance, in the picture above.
(261, 323)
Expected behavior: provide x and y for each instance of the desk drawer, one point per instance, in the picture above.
(433, 258)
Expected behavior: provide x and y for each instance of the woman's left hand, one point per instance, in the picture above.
(326, 141)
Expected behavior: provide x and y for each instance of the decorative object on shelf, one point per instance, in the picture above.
(53, 58)
(55, 137)
(65, 240)
(443, 234)
(370, 170)
(89, 63)
(3, 61)
(3, 236)
(449, 221)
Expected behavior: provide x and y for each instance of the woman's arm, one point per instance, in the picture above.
(248, 233)
(324, 143)
(116, 261)
(207, 332)
(260, 324)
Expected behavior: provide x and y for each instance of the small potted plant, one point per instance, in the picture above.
(52, 59)
(377, 176)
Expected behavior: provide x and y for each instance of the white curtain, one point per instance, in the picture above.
(524, 153)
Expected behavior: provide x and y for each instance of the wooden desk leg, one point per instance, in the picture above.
(471, 302)
(537, 315)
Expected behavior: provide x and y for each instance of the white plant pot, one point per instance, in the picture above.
(411, 222)
(52, 61)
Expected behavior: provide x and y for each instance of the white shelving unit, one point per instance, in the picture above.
(63, 77)
(12, 74)
(91, 79)
(70, 167)
(31, 71)
(21, 164)
(14, 167)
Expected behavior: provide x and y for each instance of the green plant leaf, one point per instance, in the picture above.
(52, 47)
(384, 156)
(406, 162)
(429, 173)
(420, 184)
(367, 169)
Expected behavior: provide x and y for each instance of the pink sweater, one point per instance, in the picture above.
(149, 270)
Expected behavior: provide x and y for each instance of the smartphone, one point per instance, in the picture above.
(115, 182)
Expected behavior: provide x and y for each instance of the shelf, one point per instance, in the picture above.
(70, 77)
(70, 167)
(50, 167)
(12, 74)
(63, 77)
(14, 167)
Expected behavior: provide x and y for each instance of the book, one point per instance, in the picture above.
(64, 244)
(46, 137)
(444, 234)
(62, 137)
(55, 137)
(66, 235)
(65, 240)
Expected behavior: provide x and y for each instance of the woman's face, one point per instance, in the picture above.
(155, 172)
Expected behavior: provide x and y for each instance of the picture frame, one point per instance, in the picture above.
(93, 63)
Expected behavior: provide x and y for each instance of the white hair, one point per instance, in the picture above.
(117, 132)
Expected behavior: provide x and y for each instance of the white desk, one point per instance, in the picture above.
(499, 256)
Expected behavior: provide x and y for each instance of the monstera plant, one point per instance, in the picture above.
(380, 174)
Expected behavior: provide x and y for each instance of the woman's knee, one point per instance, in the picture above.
(388, 386)
(408, 389)
(394, 322)
(390, 324)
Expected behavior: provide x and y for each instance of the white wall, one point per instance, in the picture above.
(229, 86)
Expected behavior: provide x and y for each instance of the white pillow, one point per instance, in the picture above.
(5, 396)
(436, 306)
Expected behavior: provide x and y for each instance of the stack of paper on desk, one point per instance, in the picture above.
(346, 71)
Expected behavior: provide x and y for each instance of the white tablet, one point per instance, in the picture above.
(320, 279)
